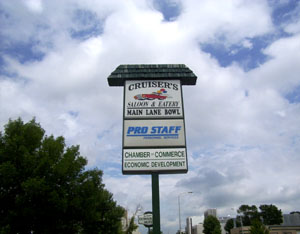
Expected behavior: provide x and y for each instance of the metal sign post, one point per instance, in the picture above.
(154, 140)
(155, 203)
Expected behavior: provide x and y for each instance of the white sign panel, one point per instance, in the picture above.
(153, 99)
(146, 219)
(150, 133)
(147, 160)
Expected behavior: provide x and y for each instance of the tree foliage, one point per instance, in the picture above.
(45, 189)
(258, 228)
(132, 226)
(271, 215)
(249, 213)
(211, 225)
(229, 225)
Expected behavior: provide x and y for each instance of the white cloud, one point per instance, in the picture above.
(292, 24)
(34, 5)
(247, 44)
(293, 28)
(227, 21)
(280, 73)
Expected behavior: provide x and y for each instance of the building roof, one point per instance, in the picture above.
(291, 219)
(152, 72)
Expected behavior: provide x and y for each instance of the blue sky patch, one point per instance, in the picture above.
(294, 96)
(22, 51)
(252, 56)
(170, 9)
(284, 12)
(2, 66)
(73, 113)
(117, 168)
(248, 57)
(87, 25)
(4, 72)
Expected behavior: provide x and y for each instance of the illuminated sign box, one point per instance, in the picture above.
(151, 133)
(153, 127)
(164, 160)
(152, 99)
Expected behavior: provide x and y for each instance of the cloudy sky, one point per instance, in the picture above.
(242, 117)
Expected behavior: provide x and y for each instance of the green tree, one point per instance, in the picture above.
(132, 226)
(258, 228)
(45, 189)
(270, 214)
(249, 213)
(230, 224)
(211, 225)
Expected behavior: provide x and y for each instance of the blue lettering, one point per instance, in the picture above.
(144, 129)
(156, 129)
(130, 129)
(165, 130)
(137, 130)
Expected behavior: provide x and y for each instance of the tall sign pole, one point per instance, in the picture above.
(154, 140)
(155, 203)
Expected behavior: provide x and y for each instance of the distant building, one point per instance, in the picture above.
(197, 229)
(290, 225)
(125, 223)
(278, 229)
(241, 230)
(212, 212)
(223, 221)
(291, 219)
(273, 229)
(189, 224)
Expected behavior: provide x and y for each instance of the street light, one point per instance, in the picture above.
(179, 209)
(240, 220)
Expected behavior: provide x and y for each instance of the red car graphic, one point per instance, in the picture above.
(151, 96)
(160, 95)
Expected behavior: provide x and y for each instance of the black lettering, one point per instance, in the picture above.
(153, 84)
(137, 86)
(131, 87)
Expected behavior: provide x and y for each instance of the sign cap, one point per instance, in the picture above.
(151, 72)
